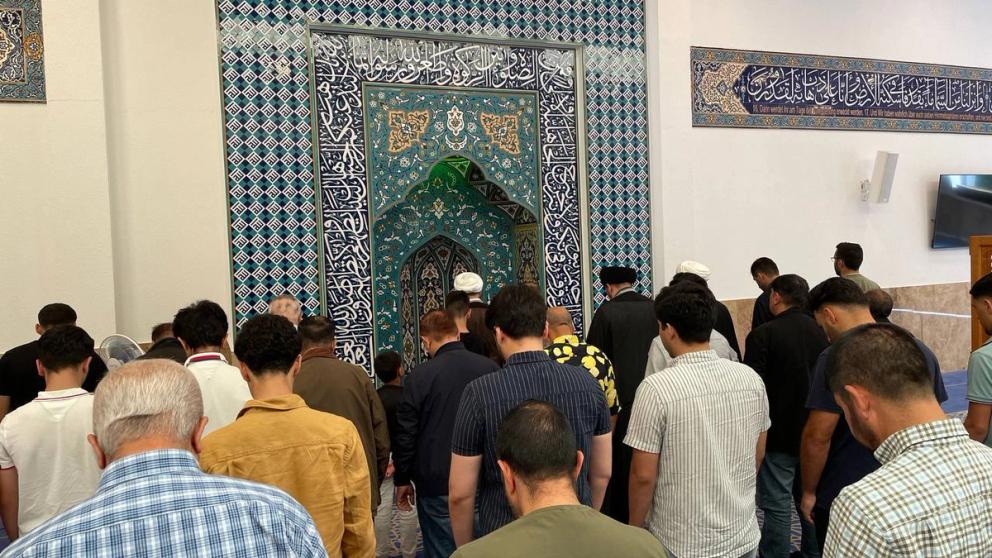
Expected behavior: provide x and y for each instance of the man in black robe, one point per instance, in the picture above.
(623, 328)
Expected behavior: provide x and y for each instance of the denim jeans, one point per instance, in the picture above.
(406, 520)
(435, 526)
(778, 490)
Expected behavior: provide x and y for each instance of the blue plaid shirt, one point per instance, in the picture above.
(159, 503)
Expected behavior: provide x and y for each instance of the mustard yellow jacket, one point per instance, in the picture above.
(317, 458)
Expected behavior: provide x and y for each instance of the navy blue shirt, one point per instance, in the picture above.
(848, 461)
(529, 375)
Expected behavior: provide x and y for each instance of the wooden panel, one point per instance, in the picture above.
(981, 264)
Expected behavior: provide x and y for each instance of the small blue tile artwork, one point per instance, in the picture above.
(22, 65)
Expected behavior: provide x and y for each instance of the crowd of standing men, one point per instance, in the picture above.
(512, 436)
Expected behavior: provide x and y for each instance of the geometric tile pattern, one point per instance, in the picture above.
(22, 65)
(267, 118)
(752, 89)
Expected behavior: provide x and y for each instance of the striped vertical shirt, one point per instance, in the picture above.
(703, 415)
(484, 403)
(931, 497)
(159, 503)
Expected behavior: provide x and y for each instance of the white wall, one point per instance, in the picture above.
(114, 196)
(727, 196)
(55, 214)
(166, 159)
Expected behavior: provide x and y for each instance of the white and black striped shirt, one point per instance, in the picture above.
(703, 415)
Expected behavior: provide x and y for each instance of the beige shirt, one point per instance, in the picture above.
(865, 283)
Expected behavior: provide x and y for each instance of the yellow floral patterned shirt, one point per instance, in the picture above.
(567, 349)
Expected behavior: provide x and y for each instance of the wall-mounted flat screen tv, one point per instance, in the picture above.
(964, 209)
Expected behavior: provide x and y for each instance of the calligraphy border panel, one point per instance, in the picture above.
(757, 89)
(265, 81)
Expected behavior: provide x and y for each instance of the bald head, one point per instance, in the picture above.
(559, 322)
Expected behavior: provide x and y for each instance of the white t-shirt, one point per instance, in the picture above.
(224, 390)
(659, 359)
(46, 441)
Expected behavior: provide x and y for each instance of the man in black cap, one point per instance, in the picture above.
(623, 328)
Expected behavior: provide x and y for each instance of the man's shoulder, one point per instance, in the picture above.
(20, 351)
(158, 497)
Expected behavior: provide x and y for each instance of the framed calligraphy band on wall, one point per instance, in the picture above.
(753, 89)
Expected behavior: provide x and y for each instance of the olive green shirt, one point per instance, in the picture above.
(865, 283)
(566, 532)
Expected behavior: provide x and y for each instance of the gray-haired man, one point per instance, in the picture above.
(147, 423)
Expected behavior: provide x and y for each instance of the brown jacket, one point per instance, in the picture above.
(340, 388)
(315, 457)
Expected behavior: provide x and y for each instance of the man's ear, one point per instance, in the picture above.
(101, 458)
(189, 351)
(580, 459)
(196, 441)
(40, 367)
(245, 372)
(38, 329)
(86, 365)
(858, 399)
(509, 481)
(294, 371)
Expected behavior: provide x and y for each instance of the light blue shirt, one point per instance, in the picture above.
(159, 503)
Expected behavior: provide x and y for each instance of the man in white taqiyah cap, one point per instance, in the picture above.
(695, 268)
(470, 284)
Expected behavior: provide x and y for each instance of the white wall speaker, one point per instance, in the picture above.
(879, 188)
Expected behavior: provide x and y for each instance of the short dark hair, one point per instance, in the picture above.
(519, 311)
(56, 314)
(387, 366)
(437, 324)
(686, 277)
(456, 304)
(983, 287)
(884, 359)
(836, 290)
(792, 288)
(537, 442)
(317, 330)
(764, 265)
(689, 308)
(268, 343)
(880, 303)
(161, 330)
(62, 346)
(201, 324)
(851, 254)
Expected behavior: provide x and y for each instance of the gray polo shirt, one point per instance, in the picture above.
(703, 416)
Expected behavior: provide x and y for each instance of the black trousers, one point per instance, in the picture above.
(821, 519)
(617, 501)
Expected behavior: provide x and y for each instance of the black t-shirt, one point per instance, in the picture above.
(848, 461)
(19, 378)
(391, 395)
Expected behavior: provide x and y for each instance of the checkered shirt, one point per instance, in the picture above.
(159, 503)
(931, 497)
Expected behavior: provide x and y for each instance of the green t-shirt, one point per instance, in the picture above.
(980, 379)
(566, 532)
